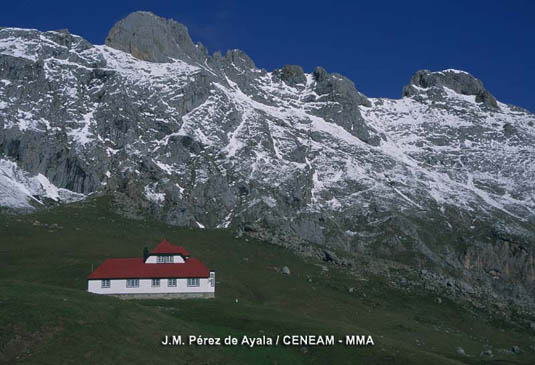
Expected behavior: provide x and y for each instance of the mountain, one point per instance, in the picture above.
(438, 183)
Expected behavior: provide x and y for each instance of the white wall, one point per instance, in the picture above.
(118, 286)
(153, 259)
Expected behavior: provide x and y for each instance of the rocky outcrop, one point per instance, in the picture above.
(291, 74)
(152, 38)
(299, 159)
(459, 81)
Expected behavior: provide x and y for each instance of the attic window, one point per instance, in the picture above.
(165, 259)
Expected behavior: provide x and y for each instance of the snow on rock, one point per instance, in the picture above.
(212, 141)
(18, 189)
(214, 136)
(152, 195)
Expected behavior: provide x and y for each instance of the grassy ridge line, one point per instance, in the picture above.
(45, 258)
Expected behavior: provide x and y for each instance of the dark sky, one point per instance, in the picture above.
(377, 44)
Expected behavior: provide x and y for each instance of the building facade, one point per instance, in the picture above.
(167, 272)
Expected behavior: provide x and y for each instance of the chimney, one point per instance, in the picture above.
(145, 254)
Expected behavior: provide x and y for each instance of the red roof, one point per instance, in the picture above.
(137, 268)
(165, 247)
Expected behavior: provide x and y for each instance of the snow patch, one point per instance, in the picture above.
(19, 189)
(152, 195)
(83, 134)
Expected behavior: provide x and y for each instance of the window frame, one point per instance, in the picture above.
(194, 282)
(105, 283)
(155, 283)
(170, 282)
(212, 279)
(165, 259)
(132, 283)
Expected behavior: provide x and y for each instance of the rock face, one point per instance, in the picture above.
(151, 38)
(292, 75)
(441, 179)
(459, 81)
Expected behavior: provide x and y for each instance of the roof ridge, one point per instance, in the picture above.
(166, 247)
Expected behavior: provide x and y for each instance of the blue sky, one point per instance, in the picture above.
(377, 44)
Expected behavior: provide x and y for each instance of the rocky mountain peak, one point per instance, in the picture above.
(339, 85)
(152, 38)
(459, 81)
(239, 59)
(292, 74)
(300, 159)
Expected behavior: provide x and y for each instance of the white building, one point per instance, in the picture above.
(167, 272)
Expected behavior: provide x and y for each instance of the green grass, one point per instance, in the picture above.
(46, 315)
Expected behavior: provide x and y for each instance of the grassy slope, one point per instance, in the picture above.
(47, 317)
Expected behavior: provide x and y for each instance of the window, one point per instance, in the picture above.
(194, 282)
(155, 282)
(165, 259)
(132, 283)
(171, 282)
(212, 279)
(105, 283)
